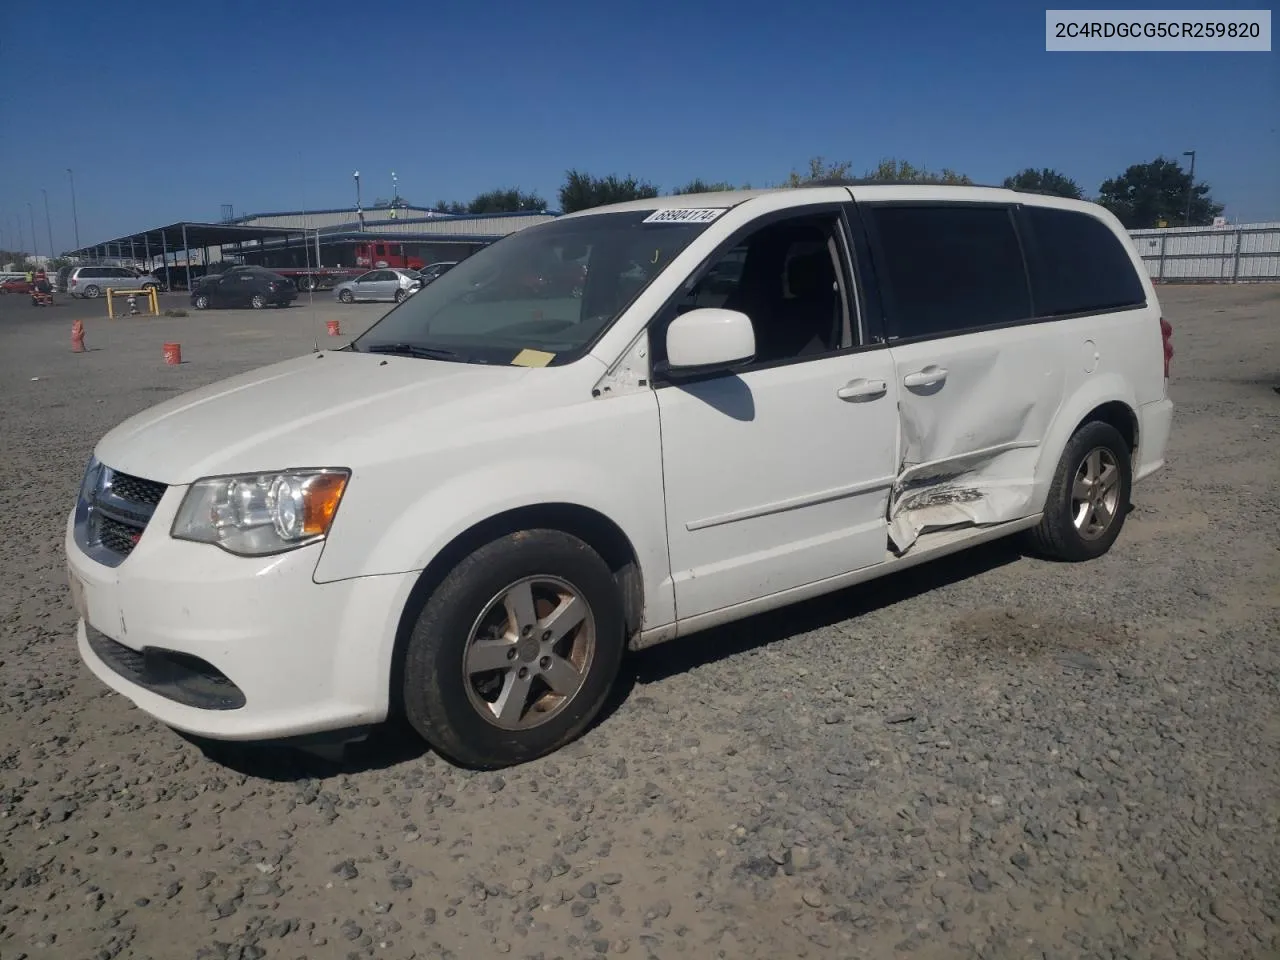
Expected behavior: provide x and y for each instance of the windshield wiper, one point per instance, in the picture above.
(412, 350)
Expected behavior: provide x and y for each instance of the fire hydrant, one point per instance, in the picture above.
(77, 337)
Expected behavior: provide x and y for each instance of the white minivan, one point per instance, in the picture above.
(593, 436)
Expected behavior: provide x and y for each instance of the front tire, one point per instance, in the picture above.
(1088, 498)
(201, 302)
(346, 296)
(514, 653)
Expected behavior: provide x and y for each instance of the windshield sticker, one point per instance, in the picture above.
(532, 358)
(684, 215)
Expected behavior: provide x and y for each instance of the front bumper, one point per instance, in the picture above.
(235, 648)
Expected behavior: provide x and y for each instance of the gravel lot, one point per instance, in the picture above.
(992, 756)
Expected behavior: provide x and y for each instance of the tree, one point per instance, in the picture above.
(1147, 193)
(891, 170)
(507, 200)
(581, 191)
(451, 206)
(17, 258)
(1045, 181)
(899, 171)
(819, 169)
(698, 185)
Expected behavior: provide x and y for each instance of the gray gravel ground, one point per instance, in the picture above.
(993, 756)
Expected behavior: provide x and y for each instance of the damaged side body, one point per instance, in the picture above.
(973, 413)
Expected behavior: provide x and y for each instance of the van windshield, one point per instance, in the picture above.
(537, 297)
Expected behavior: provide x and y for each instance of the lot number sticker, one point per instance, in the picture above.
(686, 215)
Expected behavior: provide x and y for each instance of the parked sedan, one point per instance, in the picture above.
(388, 284)
(244, 289)
(15, 285)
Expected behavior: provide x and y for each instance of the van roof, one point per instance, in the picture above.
(866, 190)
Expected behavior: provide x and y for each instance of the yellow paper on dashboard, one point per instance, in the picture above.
(532, 358)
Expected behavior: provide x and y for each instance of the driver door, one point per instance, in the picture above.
(778, 475)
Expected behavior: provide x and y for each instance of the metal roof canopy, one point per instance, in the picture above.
(188, 235)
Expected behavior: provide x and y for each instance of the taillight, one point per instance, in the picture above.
(74, 281)
(1166, 335)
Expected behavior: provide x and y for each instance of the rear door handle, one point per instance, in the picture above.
(927, 377)
(860, 390)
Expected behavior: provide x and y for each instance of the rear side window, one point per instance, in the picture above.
(1080, 265)
(944, 269)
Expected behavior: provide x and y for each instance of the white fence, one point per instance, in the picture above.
(1235, 253)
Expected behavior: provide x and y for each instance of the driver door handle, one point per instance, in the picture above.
(927, 377)
(861, 390)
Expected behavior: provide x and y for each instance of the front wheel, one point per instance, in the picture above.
(514, 653)
(346, 296)
(1088, 497)
(201, 302)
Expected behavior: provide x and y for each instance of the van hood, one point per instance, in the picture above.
(303, 413)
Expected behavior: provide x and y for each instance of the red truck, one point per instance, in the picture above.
(379, 255)
(369, 256)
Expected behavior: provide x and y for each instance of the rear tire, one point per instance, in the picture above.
(400, 295)
(91, 292)
(547, 682)
(1088, 498)
(258, 301)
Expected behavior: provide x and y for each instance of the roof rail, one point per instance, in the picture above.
(874, 182)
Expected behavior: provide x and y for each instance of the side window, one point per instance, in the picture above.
(1080, 265)
(944, 269)
(90, 273)
(789, 277)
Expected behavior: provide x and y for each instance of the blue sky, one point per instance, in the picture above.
(169, 112)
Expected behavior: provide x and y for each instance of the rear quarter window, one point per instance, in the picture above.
(1079, 265)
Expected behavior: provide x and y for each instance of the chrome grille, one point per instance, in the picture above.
(113, 512)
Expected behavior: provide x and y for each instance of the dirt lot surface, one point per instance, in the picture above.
(992, 756)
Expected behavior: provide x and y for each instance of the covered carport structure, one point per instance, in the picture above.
(185, 237)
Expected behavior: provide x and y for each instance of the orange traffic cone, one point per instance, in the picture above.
(77, 337)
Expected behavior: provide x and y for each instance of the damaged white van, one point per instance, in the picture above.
(612, 430)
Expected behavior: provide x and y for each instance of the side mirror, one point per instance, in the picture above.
(709, 340)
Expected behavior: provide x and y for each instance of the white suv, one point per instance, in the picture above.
(468, 514)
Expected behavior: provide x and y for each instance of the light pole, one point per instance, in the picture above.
(75, 217)
(48, 224)
(1191, 184)
(359, 211)
(35, 245)
(395, 189)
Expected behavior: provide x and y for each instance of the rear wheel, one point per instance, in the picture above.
(92, 292)
(514, 653)
(400, 295)
(306, 284)
(1089, 496)
(258, 301)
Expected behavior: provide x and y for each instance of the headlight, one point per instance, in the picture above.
(261, 513)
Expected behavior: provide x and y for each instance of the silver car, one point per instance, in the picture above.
(386, 284)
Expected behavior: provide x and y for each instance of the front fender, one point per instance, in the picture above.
(610, 464)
